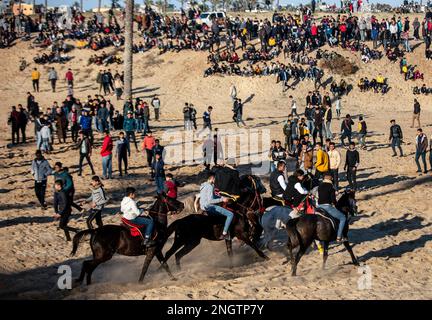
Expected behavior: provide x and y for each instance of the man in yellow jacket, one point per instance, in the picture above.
(35, 75)
(322, 161)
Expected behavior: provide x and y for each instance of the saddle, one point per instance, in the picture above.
(321, 212)
(280, 200)
(135, 230)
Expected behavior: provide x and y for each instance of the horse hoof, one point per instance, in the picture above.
(266, 258)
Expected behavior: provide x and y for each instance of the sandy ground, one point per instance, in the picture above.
(391, 236)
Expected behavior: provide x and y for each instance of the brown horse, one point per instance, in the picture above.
(111, 239)
(309, 227)
(245, 226)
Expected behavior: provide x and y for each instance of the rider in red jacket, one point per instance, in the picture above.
(170, 186)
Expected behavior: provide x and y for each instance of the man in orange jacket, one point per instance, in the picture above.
(147, 146)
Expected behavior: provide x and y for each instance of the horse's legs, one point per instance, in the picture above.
(83, 271)
(149, 257)
(176, 245)
(353, 257)
(246, 240)
(188, 247)
(92, 265)
(325, 253)
(228, 244)
(161, 259)
(299, 254)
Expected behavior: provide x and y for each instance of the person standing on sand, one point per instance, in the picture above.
(293, 106)
(421, 148)
(106, 153)
(187, 117)
(159, 173)
(35, 75)
(395, 137)
(207, 118)
(334, 163)
(13, 121)
(233, 92)
(362, 131)
(123, 152)
(416, 113)
(40, 169)
(69, 78)
(52, 78)
(352, 162)
(156, 106)
(338, 107)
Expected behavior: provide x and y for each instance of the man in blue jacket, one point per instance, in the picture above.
(85, 122)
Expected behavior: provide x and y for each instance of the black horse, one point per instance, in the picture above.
(111, 239)
(304, 230)
(245, 225)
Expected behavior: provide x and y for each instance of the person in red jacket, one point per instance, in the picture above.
(106, 153)
(148, 143)
(170, 186)
(69, 78)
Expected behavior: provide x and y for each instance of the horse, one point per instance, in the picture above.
(110, 239)
(304, 230)
(245, 225)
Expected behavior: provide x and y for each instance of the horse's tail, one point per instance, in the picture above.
(77, 238)
(293, 234)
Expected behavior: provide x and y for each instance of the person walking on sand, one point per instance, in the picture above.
(395, 137)
(416, 113)
(98, 200)
(85, 149)
(40, 169)
(35, 75)
(346, 129)
(421, 148)
(334, 164)
(52, 78)
(62, 208)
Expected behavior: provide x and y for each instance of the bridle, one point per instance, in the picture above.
(257, 199)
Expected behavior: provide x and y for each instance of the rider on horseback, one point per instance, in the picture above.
(295, 193)
(277, 180)
(208, 202)
(134, 215)
(327, 201)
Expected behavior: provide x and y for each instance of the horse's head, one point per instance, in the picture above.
(347, 202)
(165, 204)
